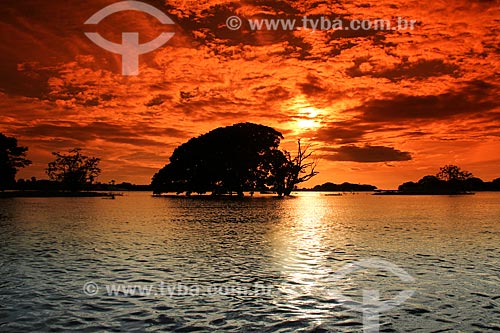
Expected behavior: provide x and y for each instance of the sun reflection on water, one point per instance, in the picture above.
(304, 255)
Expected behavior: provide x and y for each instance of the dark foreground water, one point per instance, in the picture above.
(261, 264)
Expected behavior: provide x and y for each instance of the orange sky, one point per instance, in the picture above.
(380, 107)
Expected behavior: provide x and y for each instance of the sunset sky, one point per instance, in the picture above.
(379, 107)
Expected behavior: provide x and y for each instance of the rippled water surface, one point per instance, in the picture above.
(284, 256)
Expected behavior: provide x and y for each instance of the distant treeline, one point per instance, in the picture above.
(48, 185)
(434, 185)
(449, 180)
(344, 187)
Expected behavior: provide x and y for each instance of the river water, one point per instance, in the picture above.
(310, 263)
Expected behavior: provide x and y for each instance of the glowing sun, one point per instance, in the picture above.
(308, 118)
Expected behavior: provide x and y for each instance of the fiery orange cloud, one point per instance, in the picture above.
(380, 107)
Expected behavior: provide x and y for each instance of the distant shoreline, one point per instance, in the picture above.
(55, 194)
(112, 195)
(396, 192)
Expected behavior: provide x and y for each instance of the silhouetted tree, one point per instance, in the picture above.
(449, 180)
(287, 172)
(12, 158)
(74, 170)
(452, 173)
(237, 158)
(455, 178)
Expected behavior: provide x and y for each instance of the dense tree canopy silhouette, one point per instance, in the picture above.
(237, 158)
(449, 180)
(12, 158)
(453, 173)
(344, 187)
(74, 170)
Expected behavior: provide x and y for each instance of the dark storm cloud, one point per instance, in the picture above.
(24, 83)
(158, 100)
(296, 47)
(312, 87)
(351, 33)
(208, 27)
(212, 107)
(320, 89)
(367, 154)
(38, 36)
(341, 132)
(420, 69)
(104, 131)
(475, 98)
(272, 93)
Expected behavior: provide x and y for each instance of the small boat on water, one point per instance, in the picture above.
(333, 195)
